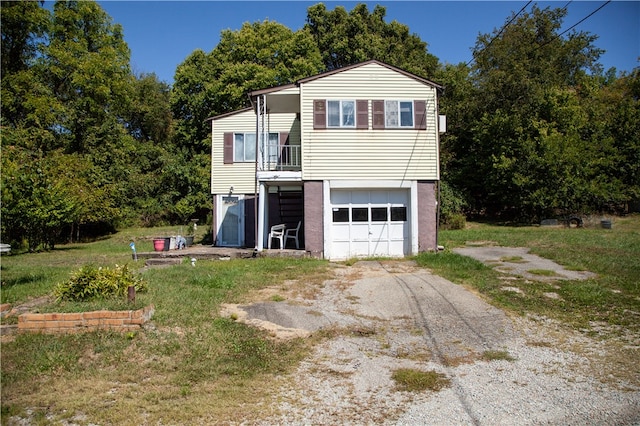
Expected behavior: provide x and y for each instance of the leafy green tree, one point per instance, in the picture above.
(88, 62)
(24, 24)
(346, 38)
(259, 55)
(529, 146)
(149, 117)
(36, 203)
(25, 97)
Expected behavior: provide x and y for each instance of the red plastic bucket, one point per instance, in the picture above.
(158, 245)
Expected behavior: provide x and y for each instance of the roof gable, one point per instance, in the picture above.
(372, 61)
(228, 114)
(339, 70)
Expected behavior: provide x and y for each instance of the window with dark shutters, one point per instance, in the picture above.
(228, 148)
(420, 115)
(362, 114)
(319, 114)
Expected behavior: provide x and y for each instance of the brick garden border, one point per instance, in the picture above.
(52, 323)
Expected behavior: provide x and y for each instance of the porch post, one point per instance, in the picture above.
(262, 199)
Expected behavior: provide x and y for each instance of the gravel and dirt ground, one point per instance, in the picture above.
(391, 314)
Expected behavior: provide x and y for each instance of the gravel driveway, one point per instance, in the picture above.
(390, 315)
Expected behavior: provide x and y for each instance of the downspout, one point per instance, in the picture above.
(439, 177)
(255, 186)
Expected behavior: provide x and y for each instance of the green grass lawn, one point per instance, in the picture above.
(612, 297)
(196, 367)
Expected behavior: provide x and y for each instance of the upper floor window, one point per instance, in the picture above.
(398, 114)
(341, 114)
(345, 114)
(239, 147)
(244, 147)
(395, 114)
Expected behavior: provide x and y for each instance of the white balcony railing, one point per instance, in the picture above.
(281, 157)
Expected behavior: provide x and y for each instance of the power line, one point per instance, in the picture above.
(584, 19)
(574, 25)
(501, 30)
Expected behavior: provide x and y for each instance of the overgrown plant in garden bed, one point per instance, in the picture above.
(91, 282)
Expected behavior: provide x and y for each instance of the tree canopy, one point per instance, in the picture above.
(530, 136)
(535, 127)
(259, 55)
(346, 38)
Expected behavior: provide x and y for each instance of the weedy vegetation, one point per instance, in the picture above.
(412, 380)
(193, 366)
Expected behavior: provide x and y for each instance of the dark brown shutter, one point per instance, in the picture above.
(419, 115)
(284, 138)
(319, 114)
(378, 114)
(228, 148)
(284, 152)
(362, 114)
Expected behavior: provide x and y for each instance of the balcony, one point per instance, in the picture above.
(277, 157)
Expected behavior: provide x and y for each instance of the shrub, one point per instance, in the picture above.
(90, 282)
(452, 204)
(456, 221)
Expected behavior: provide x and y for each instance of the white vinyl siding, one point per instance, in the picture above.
(401, 153)
(241, 175)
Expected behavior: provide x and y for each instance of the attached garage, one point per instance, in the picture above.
(367, 222)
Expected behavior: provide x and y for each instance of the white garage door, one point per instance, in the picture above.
(369, 223)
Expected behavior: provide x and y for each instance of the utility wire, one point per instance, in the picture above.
(584, 19)
(574, 25)
(504, 27)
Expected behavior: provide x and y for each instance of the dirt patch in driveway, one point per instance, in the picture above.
(518, 261)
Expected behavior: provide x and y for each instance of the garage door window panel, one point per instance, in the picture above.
(360, 214)
(341, 215)
(378, 214)
(398, 214)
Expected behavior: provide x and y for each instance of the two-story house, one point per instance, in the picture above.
(351, 154)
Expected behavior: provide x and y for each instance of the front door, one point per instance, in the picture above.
(232, 212)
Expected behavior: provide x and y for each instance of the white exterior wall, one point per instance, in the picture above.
(398, 154)
(241, 176)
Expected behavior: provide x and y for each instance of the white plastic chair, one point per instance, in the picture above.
(292, 234)
(277, 231)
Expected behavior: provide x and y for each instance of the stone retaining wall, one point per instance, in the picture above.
(85, 321)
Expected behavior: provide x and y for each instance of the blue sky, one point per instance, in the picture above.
(161, 34)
